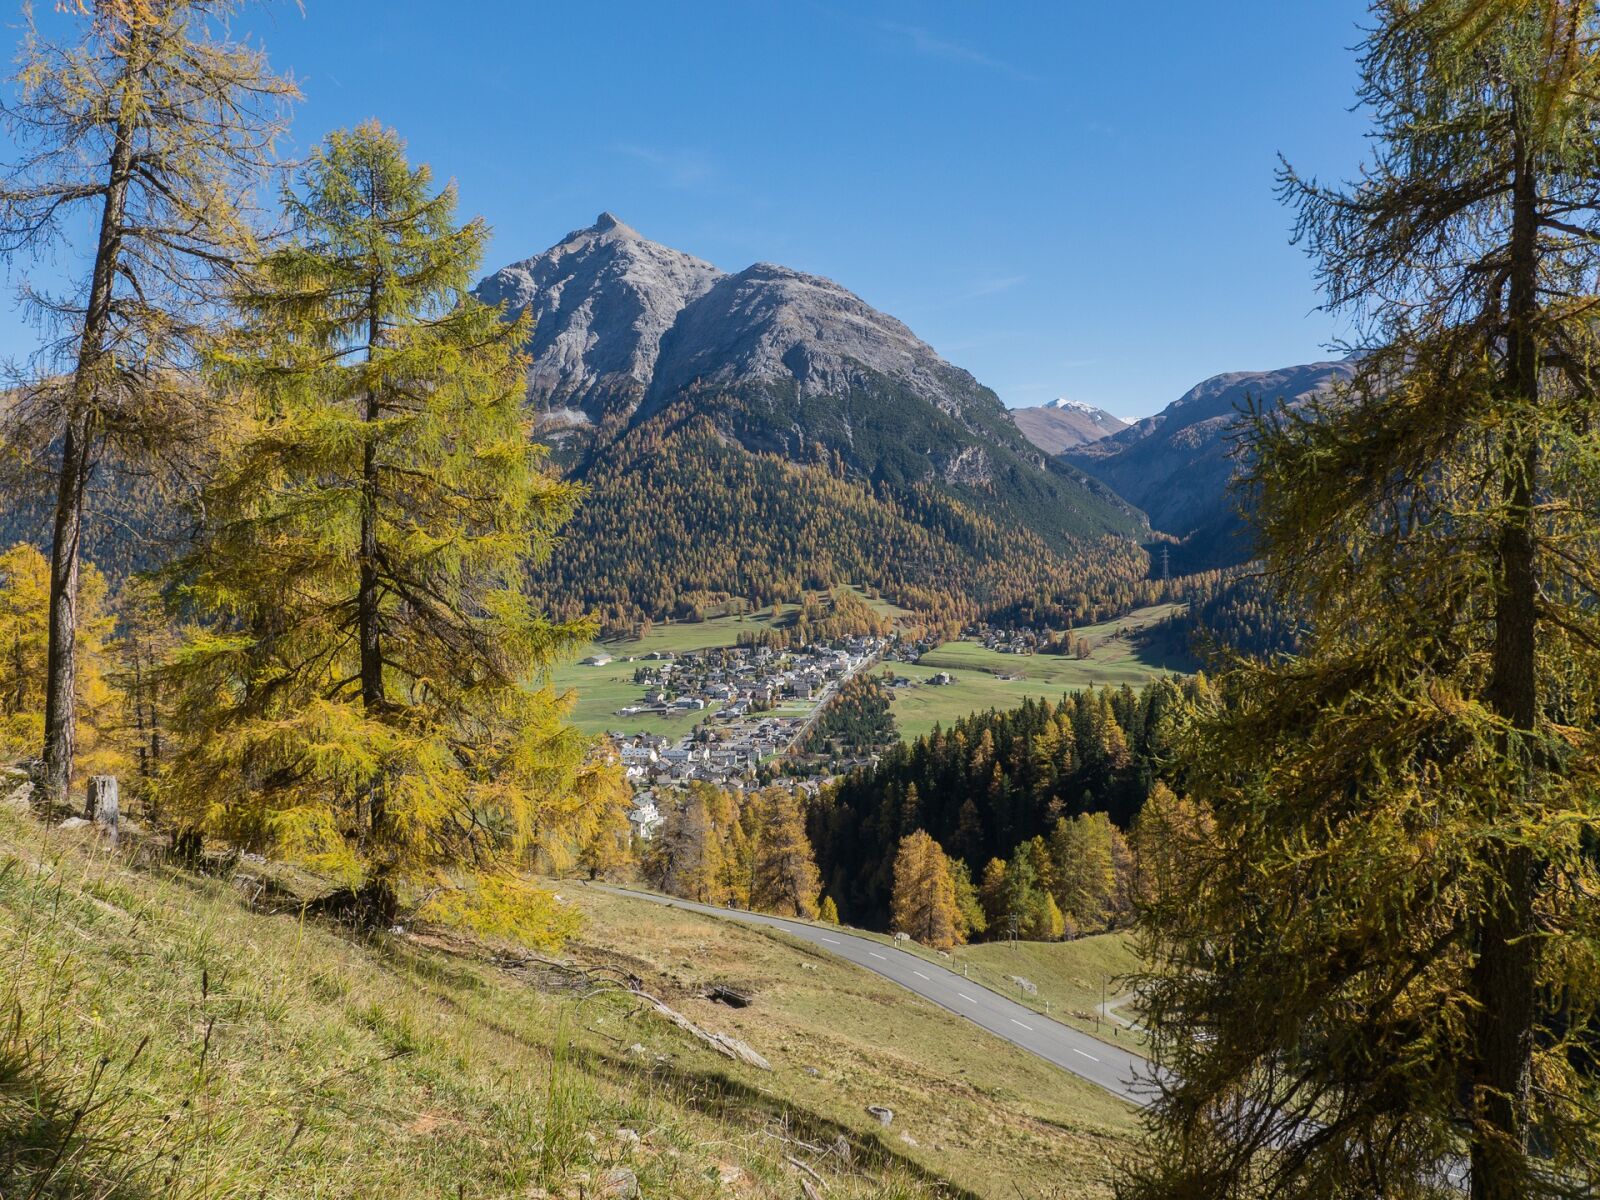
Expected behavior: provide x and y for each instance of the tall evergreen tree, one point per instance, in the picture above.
(362, 695)
(972, 921)
(1083, 849)
(686, 859)
(152, 129)
(1383, 959)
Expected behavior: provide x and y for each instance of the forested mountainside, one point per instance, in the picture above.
(1178, 465)
(138, 520)
(744, 433)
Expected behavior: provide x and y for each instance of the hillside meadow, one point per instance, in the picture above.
(985, 679)
(182, 1035)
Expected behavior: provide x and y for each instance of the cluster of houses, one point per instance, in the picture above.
(740, 681)
(746, 684)
(1007, 641)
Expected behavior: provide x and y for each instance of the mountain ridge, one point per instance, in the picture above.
(1178, 465)
(638, 346)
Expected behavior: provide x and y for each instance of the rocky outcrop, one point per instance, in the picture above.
(772, 325)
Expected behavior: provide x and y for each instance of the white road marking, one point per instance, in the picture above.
(1029, 1028)
(1086, 1054)
(920, 975)
(877, 956)
(831, 941)
(966, 997)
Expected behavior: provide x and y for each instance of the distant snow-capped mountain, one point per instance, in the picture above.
(1065, 424)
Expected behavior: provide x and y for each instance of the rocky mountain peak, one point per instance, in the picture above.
(1065, 424)
(608, 222)
(602, 299)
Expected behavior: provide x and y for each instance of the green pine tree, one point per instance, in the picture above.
(360, 697)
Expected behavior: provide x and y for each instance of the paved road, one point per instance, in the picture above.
(1118, 1071)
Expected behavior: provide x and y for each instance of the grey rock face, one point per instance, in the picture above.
(772, 324)
(623, 320)
(602, 298)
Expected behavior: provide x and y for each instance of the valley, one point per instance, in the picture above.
(676, 711)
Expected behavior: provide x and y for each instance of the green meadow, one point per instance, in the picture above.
(985, 679)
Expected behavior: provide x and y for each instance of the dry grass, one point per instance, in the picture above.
(161, 1039)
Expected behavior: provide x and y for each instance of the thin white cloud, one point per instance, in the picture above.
(676, 168)
(930, 45)
(990, 287)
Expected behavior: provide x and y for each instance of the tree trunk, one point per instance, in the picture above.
(368, 636)
(77, 460)
(61, 668)
(1505, 976)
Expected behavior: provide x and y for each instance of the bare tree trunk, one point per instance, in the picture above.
(61, 668)
(1505, 976)
(367, 597)
(77, 461)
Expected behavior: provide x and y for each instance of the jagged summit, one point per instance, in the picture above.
(625, 324)
(602, 299)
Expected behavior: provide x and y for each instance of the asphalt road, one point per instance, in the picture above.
(1118, 1071)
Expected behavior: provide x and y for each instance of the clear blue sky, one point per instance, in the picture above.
(1066, 198)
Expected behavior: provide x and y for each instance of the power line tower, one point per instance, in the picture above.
(1166, 563)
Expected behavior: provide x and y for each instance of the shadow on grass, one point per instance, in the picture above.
(738, 1104)
(51, 1144)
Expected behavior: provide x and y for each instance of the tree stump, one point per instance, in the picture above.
(102, 808)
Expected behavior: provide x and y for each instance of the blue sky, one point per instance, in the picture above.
(1065, 198)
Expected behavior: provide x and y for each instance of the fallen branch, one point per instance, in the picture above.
(800, 1166)
(720, 1042)
(629, 983)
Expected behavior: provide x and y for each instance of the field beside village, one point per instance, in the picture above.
(985, 679)
(601, 690)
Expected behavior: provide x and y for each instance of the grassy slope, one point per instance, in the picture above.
(287, 1060)
(1115, 660)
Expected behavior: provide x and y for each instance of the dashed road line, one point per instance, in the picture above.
(920, 975)
(1085, 1053)
(966, 997)
(831, 941)
(1016, 1022)
(877, 956)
